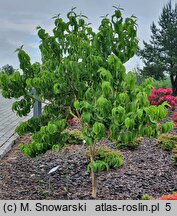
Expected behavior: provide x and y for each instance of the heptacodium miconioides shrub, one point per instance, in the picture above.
(82, 76)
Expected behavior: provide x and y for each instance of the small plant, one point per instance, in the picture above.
(167, 141)
(158, 96)
(105, 158)
(133, 144)
(146, 197)
(174, 154)
(74, 136)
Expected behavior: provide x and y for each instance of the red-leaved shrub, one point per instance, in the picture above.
(158, 96)
(168, 197)
(164, 197)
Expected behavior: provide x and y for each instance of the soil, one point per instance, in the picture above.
(147, 170)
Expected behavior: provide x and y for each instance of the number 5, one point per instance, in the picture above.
(168, 207)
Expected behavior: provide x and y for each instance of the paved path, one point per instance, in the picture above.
(8, 123)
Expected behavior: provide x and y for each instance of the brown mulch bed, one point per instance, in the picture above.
(147, 170)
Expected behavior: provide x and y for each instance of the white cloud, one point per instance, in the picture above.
(26, 27)
(33, 45)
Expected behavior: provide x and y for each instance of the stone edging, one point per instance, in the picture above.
(8, 145)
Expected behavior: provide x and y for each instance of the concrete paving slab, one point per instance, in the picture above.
(8, 123)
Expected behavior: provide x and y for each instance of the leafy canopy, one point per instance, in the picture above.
(82, 75)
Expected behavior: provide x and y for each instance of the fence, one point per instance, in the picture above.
(37, 109)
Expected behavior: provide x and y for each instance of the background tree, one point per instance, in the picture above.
(7, 69)
(160, 55)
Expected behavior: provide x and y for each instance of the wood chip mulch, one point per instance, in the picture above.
(147, 170)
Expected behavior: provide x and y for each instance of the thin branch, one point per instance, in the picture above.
(69, 109)
(75, 97)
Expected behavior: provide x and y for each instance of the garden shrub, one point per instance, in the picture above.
(158, 96)
(82, 75)
(84, 80)
(167, 141)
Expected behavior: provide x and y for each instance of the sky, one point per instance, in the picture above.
(19, 19)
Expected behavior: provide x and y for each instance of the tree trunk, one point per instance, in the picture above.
(93, 175)
(174, 87)
(94, 185)
(175, 91)
(174, 84)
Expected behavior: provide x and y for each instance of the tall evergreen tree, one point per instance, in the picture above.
(160, 54)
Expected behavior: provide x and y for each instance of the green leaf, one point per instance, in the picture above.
(77, 104)
(56, 88)
(98, 128)
(106, 88)
(128, 123)
(52, 128)
(86, 117)
(166, 127)
(102, 101)
(105, 74)
(140, 114)
(89, 140)
(118, 112)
